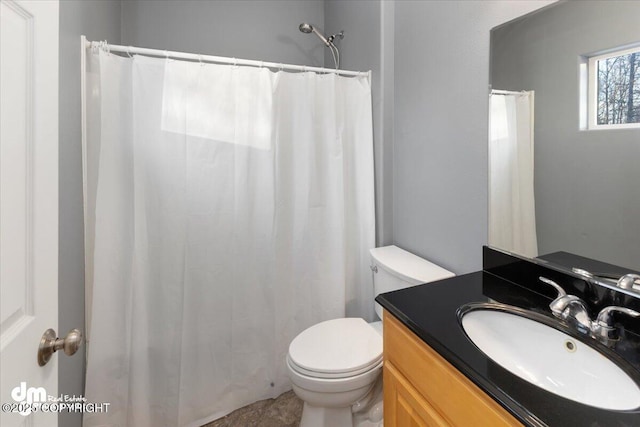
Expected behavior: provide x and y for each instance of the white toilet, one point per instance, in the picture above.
(335, 365)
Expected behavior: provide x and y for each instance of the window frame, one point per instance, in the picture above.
(592, 98)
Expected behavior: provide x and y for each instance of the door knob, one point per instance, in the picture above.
(50, 343)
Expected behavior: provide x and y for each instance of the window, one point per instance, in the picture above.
(614, 89)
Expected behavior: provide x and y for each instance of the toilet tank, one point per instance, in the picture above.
(394, 268)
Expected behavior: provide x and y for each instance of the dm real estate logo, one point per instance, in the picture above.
(30, 396)
(27, 400)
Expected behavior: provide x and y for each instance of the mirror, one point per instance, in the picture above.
(565, 187)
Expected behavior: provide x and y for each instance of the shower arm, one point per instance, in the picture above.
(332, 37)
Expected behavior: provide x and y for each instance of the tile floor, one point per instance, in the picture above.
(283, 411)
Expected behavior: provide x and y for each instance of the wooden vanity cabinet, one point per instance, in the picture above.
(423, 389)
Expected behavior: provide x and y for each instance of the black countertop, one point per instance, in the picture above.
(430, 312)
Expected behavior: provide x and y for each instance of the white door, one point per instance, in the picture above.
(28, 205)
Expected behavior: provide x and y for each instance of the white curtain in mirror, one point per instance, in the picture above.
(512, 221)
(233, 208)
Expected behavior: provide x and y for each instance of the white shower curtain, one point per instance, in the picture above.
(512, 219)
(233, 208)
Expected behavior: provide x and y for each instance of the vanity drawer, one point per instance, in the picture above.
(418, 373)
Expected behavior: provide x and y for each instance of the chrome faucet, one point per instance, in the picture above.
(574, 311)
(604, 328)
(627, 281)
(569, 308)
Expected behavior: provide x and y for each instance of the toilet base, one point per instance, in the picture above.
(370, 410)
(313, 416)
(367, 412)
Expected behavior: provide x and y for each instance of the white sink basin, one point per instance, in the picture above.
(551, 359)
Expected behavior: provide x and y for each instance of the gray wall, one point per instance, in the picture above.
(98, 20)
(440, 129)
(368, 45)
(264, 30)
(586, 181)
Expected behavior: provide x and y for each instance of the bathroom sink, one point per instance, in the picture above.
(533, 347)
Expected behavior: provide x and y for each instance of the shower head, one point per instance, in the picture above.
(305, 28)
(308, 28)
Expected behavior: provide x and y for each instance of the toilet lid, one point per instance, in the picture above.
(337, 346)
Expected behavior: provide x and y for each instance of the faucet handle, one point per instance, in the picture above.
(561, 292)
(627, 281)
(606, 320)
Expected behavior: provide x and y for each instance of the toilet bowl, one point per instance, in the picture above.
(335, 366)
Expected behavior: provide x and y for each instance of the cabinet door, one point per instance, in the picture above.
(403, 405)
(450, 395)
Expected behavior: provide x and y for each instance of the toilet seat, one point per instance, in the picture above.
(328, 375)
(338, 348)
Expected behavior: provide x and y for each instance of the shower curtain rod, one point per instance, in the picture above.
(507, 92)
(219, 59)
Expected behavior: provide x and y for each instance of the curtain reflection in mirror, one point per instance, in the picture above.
(512, 221)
